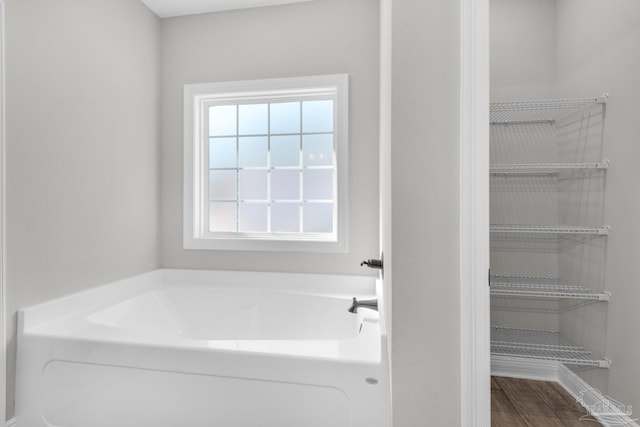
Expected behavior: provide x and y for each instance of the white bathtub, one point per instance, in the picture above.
(188, 348)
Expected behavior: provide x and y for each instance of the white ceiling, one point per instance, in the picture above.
(169, 8)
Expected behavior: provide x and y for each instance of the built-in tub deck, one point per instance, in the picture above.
(203, 348)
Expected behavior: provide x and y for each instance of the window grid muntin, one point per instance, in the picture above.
(300, 168)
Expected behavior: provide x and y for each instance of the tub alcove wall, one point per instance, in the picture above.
(93, 155)
(82, 149)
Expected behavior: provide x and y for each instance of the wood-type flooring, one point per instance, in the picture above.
(527, 403)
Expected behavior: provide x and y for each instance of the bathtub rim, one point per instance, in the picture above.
(41, 320)
(87, 301)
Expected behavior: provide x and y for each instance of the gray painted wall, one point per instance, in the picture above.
(424, 186)
(523, 44)
(82, 176)
(325, 37)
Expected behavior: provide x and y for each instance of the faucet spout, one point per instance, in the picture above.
(371, 304)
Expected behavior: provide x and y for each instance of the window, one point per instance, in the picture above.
(265, 164)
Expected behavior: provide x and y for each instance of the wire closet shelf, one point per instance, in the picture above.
(548, 229)
(542, 287)
(539, 111)
(546, 168)
(541, 345)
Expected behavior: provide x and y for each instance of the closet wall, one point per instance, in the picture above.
(523, 66)
(564, 49)
(598, 45)
(523, 46)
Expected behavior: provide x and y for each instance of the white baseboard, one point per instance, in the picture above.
(11, 422)
(587, 395)
(544, 370)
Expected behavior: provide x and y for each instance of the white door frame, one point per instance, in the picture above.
(475, 367)
(3, 293)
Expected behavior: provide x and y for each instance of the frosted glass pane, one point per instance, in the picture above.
(285, 150)
(317, 150)
(253, 185)
(222, 216)
(285, 185)
(318, 184)
(285, 117)
(285, 217)
(223, 185)
(253, 151)
(222, 120)
(318, 218)
(317, 116)
(253, 119)
(252, 217)
(222, 152)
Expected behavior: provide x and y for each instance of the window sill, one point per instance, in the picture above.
(251, 243)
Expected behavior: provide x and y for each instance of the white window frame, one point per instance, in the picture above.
(196, 98)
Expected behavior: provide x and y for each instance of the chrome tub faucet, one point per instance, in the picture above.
(371, 304)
